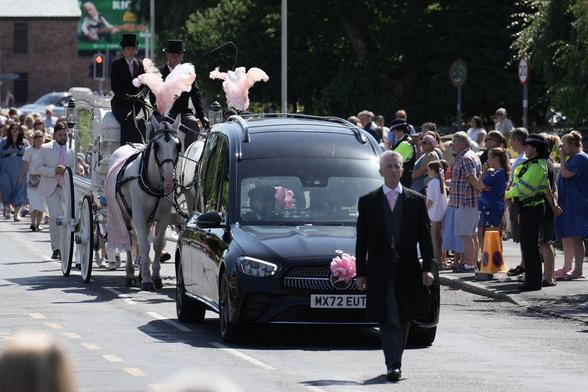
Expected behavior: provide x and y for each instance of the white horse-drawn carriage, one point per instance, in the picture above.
(85, 203)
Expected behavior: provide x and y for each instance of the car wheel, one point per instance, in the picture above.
(229, 330)
(188, 309)
(420, 337)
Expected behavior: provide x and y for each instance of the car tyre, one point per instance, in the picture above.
(229, 330)
(420, 336)
(188, 309)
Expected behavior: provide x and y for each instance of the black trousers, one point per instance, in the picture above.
(531, 219)
(393, 333)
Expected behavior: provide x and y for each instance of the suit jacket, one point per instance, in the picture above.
(47, 162)
(375, 250)
(121, 82)
(181, 104)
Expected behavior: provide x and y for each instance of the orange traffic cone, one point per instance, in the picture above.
(492, 260)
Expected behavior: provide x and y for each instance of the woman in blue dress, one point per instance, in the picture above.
(572, 225)
(14, 192)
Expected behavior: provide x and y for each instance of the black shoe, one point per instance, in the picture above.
(516, 271)
(164, 257)
(548, 284)
(528, 287)
(393, 374)
(56, 254)
(33, 228)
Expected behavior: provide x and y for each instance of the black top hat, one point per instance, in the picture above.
(128, 41)
(174, 46)
(399, 125)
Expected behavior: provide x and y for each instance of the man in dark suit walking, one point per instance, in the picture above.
(175, 54)
(122, 73)
(392, 220)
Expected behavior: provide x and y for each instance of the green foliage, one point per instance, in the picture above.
(349, 55)
(554, 36)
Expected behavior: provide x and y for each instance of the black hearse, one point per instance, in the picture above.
(276, 198)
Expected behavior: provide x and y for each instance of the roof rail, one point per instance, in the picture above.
(243, 124)
(356, 131)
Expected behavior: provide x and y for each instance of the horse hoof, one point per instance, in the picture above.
(147, 286)
(129, 282)
(158, 283)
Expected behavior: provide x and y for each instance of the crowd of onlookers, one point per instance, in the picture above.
(21, 137)
(533, 187)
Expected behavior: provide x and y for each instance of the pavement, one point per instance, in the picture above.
(568, 299)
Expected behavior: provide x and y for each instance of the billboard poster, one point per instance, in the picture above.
(104, 21)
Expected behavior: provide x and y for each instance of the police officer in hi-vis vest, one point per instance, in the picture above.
(528, 190)
(405, 148)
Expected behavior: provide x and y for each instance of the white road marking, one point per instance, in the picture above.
(314, 389)
(173, 323)
(91, 346)
(136, 372)
(37, 316)
(54, 325)
(71, 335)
(112, 358)
(159, 387)
(241, 355)
(124, 297)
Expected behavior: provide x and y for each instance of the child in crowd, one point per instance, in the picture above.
(437, 205)
(493, 184)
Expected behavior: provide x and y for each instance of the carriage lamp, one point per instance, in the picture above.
(70, 113)
(70, 117)
(215, 115)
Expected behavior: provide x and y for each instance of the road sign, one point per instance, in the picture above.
(458, 73)
(523, 71)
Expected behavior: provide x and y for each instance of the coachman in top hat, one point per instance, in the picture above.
(122, 73)
(174, 53)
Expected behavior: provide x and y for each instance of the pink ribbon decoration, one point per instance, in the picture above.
(285, 198)
(343, 267)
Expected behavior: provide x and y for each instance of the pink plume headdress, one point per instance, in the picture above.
(343, 267)
(166, 92)
(237, 83)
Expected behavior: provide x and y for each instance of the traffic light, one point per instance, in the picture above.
(98, 66)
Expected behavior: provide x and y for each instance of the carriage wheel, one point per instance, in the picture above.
(67, 222)
(85, 239)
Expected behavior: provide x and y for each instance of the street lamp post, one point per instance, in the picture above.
(284, 56)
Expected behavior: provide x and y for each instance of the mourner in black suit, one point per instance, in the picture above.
(175, 53)
(392, 221)
(122, 72)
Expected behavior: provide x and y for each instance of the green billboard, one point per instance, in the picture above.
(104, 21)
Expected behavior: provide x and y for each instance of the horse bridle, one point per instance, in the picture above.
(166, 132)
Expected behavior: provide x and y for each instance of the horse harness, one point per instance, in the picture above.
(142, 178)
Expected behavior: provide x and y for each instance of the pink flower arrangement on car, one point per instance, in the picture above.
(285, 198)
(343, 267)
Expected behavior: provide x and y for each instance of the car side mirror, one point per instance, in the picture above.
(209, 220)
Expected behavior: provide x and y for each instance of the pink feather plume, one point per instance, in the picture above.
(237, 83)
(166, 92)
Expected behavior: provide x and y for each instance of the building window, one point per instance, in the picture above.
(21, 38)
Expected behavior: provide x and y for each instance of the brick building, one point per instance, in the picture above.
(38, 45)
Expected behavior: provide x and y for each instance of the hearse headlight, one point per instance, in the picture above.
(255, 267)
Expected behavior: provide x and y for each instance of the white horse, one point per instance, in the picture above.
(144, 188)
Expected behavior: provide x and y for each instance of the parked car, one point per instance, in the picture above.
(276, 198)
(57, 99)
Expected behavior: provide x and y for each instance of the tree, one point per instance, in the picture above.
(349, 55)
(554, 35)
